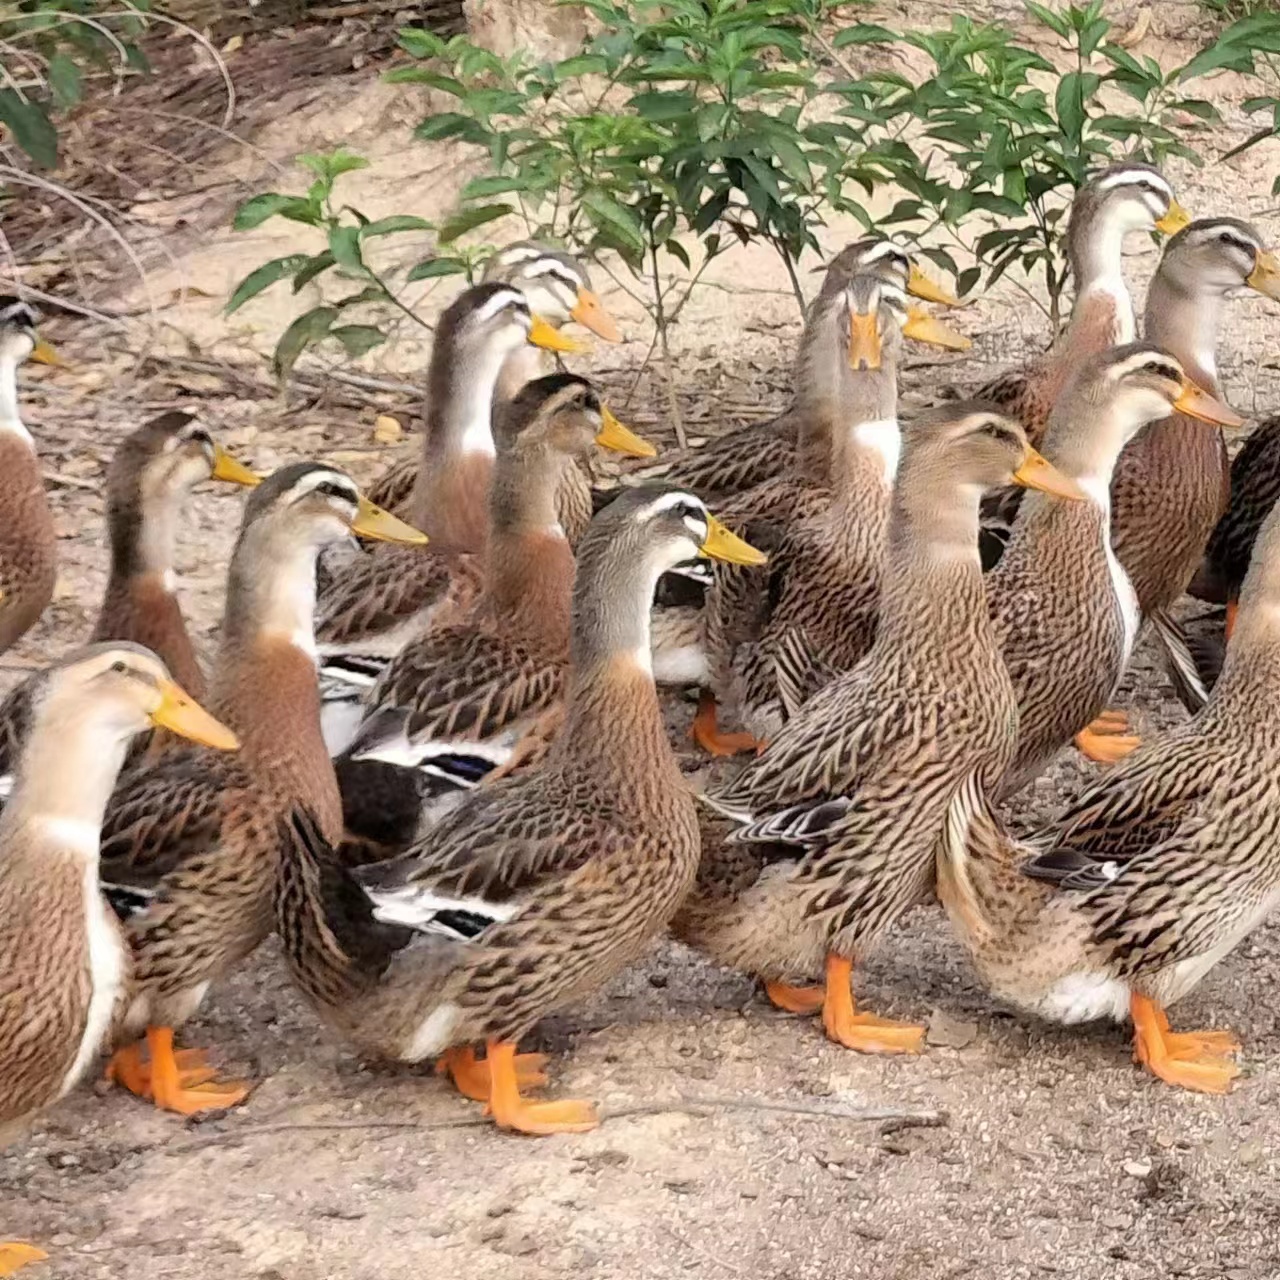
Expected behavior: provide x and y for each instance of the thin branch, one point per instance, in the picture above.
(927, 1118)
(673, 402)
(201, 39)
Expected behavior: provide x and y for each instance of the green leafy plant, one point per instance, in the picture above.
(50, 50)
(679, 119)
(999, 136)
(347, 235)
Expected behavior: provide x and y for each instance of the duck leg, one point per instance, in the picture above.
(862, 1031)
(1196, 1060)
(706, 733)
(15, 1255)
(1106, 739)
(510, 1111)
(1233, 606)
(178, 1081)
(472, 1078)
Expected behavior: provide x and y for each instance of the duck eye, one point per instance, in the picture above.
(330, 490)
(119, 667)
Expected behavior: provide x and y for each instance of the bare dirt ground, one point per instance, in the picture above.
(731, 1145)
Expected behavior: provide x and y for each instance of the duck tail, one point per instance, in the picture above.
(1191, 669)
(335, 948)
(978, 877)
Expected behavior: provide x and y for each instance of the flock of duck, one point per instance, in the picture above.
(438, 767)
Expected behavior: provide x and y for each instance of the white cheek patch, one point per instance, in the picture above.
(500, 301)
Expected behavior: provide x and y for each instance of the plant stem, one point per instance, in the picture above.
(660, 318)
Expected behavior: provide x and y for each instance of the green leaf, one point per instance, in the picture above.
(450, 124)
(313, 267)
(64, 80)
(483, 188)
(396, 222)
(358, 338)
(1058, 23)
(967, 280)
(1069, 103)
(263, 277)
(677, 251)
(660, 106)
(420, 43)
(30, 127)
(309, 327)
(344, 244)
(615, 219)
(257, 210)
(469, 219)
(434, 268)
(329, 166)
(864, 33)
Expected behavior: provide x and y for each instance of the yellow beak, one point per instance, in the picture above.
(43, 353)
(227, 468)
(589, 312)
(922, 286)
(1036, 472)
(180, 713)
(381, 526)
(1174, 220)
(865, 346)
(1198, 403)
(549, 338)
(721, 544)
(613, 435)
(1265, 276)
(925, 328)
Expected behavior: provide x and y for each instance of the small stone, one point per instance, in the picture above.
(387, 430)
(1250, 1154)
(519, 1244)
(1117, 1221)
(1137, 1168)
(947, 1032)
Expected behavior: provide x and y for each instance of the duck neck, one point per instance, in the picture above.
(932, 577)
(612, 706)
(867, 447)
(523, 365)
(450, 494)
(11, 425)
(1102, 315)
(530, 565)
(1186, 323)
(59, 748)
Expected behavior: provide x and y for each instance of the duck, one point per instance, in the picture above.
(149, 479)
(28, 541)
(826, 521)
(460, 700)
(1062, 608)
(1152, 876)
(370, 605)
(189, 841)
(557, 287)
(64, 961)
(740, 460)
(836, 819)
(538, 888)
(1117, 201)
(1171, 483)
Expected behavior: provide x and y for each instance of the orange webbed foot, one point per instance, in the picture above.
(1106, 739)
(14, 1255)
(510, 1111)
(706, 733)
(175, 1080)
(471, 1076)
(863, 1032)
(802, 1000)
(1197, 1060)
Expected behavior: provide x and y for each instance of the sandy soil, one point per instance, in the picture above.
(736, 1140)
